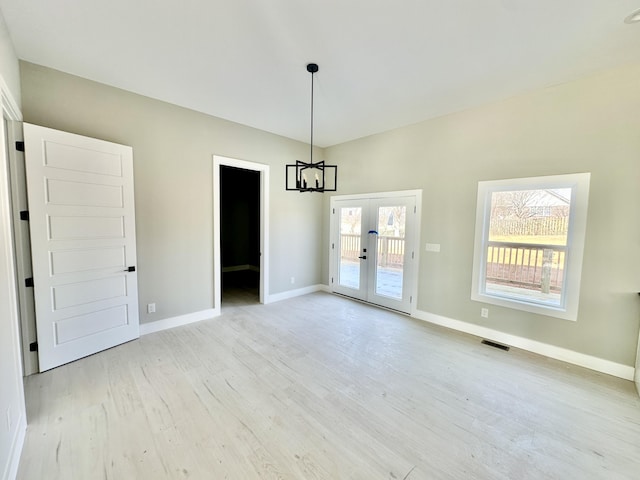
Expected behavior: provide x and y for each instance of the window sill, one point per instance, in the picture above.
(537, 308)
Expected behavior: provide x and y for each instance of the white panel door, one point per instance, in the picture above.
(82, 222)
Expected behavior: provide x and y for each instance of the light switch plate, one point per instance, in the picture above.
(432, 247)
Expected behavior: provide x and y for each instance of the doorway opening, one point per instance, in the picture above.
(240, 235)
(240, 232)
(373, 247)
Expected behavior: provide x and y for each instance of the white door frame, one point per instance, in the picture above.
(219, 161)
(20, 238)
(22, 244)
(379, 195)
(11, 326)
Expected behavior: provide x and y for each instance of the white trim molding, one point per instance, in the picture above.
(16, 449)
(637, 375)
(567, 308)
(219, 161)
(172, 322)
(276, 297)
(594, 363)
(178, 321)
(15, 434)
(9, 104)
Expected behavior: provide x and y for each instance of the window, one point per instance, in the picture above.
(529, 242)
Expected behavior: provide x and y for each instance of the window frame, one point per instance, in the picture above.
(579, 184)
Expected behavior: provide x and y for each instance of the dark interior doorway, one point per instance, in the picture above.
(240, 235)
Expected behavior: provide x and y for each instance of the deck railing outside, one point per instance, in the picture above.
(390, 249)
(533, 266)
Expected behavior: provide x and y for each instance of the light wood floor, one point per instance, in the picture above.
(320, 387)
(240, 288)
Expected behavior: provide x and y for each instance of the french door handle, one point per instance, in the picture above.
(130, 269)
(364, 257)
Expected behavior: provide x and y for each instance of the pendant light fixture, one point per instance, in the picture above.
(311, 177)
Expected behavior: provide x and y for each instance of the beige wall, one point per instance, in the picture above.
(591, 125)
(588, 125)
(173, 150)
(9, 62)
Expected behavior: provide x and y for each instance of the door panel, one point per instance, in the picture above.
(82, 224)
(391, 268)
(351, 276)
(373, 249)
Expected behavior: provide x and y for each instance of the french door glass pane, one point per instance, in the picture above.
(390, 258)
(350, 233)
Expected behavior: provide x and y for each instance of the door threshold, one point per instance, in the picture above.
(408, 314)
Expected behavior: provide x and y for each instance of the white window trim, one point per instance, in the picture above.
(579, 182)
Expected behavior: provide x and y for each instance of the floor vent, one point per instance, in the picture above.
(496, 345)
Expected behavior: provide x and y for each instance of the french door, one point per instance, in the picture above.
(373, 248)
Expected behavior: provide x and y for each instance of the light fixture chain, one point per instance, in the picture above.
(312, 74)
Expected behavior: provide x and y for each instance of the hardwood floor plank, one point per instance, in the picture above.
(320, 387)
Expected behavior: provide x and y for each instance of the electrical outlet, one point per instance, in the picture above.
(484, 312)
(293, 280)
(151, 308)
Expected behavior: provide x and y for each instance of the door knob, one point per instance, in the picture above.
(364, 257)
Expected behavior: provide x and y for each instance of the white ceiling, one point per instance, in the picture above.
(383, 63)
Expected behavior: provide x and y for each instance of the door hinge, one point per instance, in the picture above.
(331, 279)
(411, 299)
(413, 255)
(33, 347)
(333, 246)
(415, 209)
(24, 215)
(20, 146)
(28, 282)
(334, 211)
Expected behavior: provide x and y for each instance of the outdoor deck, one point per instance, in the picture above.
(390, 285)
(533, 273)
(389, 280)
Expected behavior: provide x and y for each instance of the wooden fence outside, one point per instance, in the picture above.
(530, 226)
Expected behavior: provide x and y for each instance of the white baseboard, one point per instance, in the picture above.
(11, 470)
(294, 293)
(166, 323)
(551, 351)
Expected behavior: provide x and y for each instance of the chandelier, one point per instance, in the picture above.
(311, 177)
